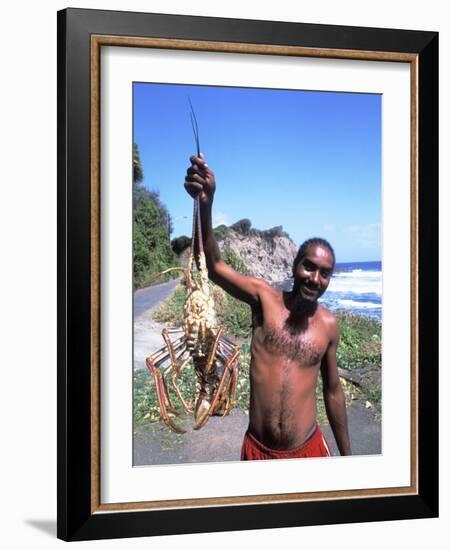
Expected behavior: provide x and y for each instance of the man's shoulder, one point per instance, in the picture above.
(329, 318)
(268, 290)
(264, 291)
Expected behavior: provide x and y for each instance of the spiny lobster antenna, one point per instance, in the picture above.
(194, 127)
(196, 225)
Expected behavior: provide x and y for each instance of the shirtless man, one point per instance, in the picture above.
(293, 338)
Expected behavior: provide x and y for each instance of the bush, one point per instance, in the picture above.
(360, 346)
(145, 401)
(230, 257)
(360, 341)
(273, 232)
(170, 312)
(180, 244)
(221, 231)
(236, 317)
(152, 252)
(243, 383)
(242, 226)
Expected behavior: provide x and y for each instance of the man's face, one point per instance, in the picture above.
(313, 273)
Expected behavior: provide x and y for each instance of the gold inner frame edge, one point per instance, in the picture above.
(97, 41)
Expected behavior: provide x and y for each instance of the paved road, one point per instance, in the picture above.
(148, 298)
(147, 332)
(220, 439)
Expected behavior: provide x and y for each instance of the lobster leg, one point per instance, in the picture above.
(229, 394)
(155, 362)
(175, 376)
(213, 351)
(161, 356)
(228, 368)
(162, 397)
(172, 348)
(231, 390)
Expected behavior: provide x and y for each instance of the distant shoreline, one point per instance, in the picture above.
(342, 266)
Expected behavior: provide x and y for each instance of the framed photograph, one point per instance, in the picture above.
(308, 131)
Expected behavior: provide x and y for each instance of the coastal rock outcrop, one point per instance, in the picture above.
(268, 254)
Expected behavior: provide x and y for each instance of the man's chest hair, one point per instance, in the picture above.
(303, 340)
(306, 348)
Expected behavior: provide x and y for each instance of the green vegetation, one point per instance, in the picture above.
(145, 402)
(236, 317)
(270, 234)
(170, 312)
(359, 348)
(233, 314)
(360, 342)
(138, 171)
(221, 231)
(232, 259)
(180, 244)
(244, 227)
(359, 351)
(152, 227)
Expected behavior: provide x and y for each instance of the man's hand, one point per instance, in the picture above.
(200, 180)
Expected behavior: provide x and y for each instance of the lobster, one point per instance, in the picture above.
(199, 340)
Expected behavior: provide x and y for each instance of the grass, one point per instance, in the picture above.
(170, 311)
(359, 348)
(360, 342)
(145, 403)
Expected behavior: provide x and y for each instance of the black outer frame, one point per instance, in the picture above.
(75, 521)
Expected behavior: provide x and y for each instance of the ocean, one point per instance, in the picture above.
(355, 287)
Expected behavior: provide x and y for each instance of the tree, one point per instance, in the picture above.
(180, 244)
(152, 226)
(242, 226)
(138, 172)
(169, 224)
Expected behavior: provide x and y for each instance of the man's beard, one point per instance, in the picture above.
(300, 308)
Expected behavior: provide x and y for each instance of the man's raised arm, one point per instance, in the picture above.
(200, 181)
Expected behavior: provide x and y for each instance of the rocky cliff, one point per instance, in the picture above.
(268, 254)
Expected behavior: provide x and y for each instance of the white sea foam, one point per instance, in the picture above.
(358, 282)
(358, 273)
(351, 304)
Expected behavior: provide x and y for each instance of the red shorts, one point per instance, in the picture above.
(314, 446)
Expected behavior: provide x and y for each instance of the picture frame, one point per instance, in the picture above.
(81, 36)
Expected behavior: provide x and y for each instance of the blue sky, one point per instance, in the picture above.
(309, 161)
